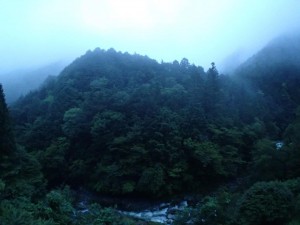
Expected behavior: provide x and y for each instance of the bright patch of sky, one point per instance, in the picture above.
(36, 32)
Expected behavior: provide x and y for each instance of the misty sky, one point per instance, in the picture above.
(36, 32)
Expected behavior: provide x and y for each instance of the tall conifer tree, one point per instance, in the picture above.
(7, 142)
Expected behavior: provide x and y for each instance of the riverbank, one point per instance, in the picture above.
(158, 211)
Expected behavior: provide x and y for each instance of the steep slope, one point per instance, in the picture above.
(274, 73)
(123, 124)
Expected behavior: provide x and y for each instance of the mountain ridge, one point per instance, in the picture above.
(126, 126)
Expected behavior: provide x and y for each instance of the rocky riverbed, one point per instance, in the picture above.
(162, 213)
(142, 209)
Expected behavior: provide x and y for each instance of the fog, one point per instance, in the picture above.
(37, 32)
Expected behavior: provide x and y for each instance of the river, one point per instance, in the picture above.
(144, 209)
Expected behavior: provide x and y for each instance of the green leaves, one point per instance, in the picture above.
(269, 163)
(105, 122)
(59, 206)
(152, 180)
(53, 159)
(7, 142)
(265, 203)
(72, 122)
(207, 155)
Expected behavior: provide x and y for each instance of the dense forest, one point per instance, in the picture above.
(125, 125)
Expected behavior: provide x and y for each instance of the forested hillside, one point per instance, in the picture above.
(126, 125)
(274, 73)
(143, 128)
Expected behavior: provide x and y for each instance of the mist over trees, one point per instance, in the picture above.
(18, 83)
(125, 125)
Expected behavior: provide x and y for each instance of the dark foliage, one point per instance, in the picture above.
(143, 128)
(126, 125)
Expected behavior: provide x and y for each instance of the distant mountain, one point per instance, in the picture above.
(20, 82)
(281, 52)
(232, 61)
(274, 73)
